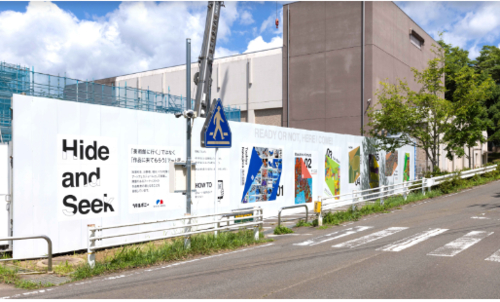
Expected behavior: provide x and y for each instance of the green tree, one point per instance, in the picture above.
(409, 115)
(470, 116)
(455, 59)
(493, 108)
(489, 63)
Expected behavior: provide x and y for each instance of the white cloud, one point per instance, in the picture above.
(269, 22)
(254, 31)
(481, 23)
(454, 39)
(468, 25)
(474, 52)
(224, 52)
(259, 44)
(246, 18)
(136, 36)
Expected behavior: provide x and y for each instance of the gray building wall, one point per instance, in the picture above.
(325, 60)
(256, 76)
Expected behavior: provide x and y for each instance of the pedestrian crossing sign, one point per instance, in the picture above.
(216, 132)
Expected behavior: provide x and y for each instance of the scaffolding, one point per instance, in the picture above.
(13, 79)
(22, 80)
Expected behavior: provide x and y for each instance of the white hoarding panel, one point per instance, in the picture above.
(4, 190)
(79, 164)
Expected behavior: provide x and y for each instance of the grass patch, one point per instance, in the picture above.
(172, 250)
(452, 185)
(64, 268)
(280, 230)
(10, 276)
(324, 227)
(302, 223)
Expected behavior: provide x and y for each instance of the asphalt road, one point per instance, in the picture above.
(439, 248)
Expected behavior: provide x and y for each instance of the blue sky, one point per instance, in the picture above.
(101, 39)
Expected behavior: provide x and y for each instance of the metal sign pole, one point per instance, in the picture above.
(188, 127)
(187, 222)
(216, 186)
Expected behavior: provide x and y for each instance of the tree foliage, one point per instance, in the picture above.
(488, 63)
(455, 59)
(470, 116)
(410, 115)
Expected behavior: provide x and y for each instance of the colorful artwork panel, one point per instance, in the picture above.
(406, 173)
(354, 165)
(374, 170)
(391, 163)
(263, 173)
(332, 174)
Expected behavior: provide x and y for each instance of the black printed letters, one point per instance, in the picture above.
(76, 150)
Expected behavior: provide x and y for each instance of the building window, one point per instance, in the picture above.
(416, 39)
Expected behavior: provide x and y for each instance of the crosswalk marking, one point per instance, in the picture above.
(460, 244)
(369, 238)
(333, 236)
(494, 257)
(411, 241)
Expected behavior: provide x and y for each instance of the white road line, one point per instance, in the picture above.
(479, 217)
(369, 238)
(460, 244)
(494, 257)
(333, 236)
(411, 241)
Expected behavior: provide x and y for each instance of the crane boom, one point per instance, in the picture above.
(203, 78)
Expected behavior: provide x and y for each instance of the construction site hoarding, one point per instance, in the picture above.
(78, 164)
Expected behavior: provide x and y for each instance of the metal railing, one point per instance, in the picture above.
(292, 207)
(49, 243)
(213, 225)
(384, 191)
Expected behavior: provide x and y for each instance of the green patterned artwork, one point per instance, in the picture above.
(406, 173)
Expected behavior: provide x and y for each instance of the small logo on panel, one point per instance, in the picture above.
(159, 204)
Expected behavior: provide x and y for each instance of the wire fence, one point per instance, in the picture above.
(21, 80)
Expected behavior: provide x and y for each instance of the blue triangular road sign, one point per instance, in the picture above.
(217, 134)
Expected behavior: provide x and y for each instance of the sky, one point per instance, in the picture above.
(94, 40)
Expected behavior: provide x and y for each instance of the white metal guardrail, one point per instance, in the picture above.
(382, 192)
(213, 224)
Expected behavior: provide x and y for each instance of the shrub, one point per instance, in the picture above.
(302, 223)
(280, 230)
(452, 184)
(436, 172)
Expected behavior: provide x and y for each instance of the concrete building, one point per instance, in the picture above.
(325, 77)
(250, 81)
(336, 53)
